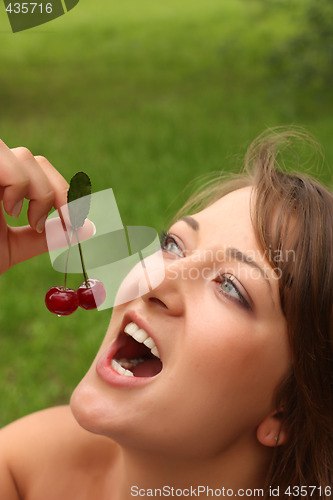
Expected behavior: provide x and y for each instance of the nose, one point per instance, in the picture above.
(169, 296)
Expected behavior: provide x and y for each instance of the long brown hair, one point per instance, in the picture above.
(292, 212)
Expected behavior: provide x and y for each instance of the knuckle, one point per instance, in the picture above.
(64, 191)
(23, 182)
(48, 196)
(41, 159)
(23, 153)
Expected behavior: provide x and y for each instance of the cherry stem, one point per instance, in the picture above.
(85, 276)
(67, 258)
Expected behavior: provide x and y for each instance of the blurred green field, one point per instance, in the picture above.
(143, 97)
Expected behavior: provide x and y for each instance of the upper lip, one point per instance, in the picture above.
(134, 317)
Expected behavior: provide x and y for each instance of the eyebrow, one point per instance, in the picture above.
(233, 253)
(191, 222)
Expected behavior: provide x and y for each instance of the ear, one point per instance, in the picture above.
(270, 431)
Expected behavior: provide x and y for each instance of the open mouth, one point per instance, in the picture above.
(137, 355)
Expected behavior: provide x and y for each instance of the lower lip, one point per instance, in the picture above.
(113, 378)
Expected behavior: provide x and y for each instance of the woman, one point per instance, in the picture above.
(234, 394)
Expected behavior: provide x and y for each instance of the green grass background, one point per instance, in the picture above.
(143, 96)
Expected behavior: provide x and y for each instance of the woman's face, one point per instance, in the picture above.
(218, 326)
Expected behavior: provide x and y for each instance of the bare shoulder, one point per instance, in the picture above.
(53, 442)
(41, 422)
(53, 431)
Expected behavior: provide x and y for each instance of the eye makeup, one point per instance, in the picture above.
(227, 283)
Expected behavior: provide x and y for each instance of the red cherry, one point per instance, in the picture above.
(61, 301)
(91, 296)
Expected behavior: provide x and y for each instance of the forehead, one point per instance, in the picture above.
(228, 221)
(227, 224)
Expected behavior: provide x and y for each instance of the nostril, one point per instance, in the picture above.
(157, 301)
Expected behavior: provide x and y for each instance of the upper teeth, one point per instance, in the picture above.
(141, 336)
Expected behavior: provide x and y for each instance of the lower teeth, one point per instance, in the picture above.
(119, 369)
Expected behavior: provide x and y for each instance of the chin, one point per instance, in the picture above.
(87, 408)
(96, 413)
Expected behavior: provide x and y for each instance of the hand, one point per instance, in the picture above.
(23, 175)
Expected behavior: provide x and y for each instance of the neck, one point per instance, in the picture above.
(145, 474)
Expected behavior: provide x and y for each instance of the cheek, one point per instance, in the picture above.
(239, 362)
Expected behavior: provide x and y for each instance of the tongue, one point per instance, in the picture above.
(148, 368)
(130, 349)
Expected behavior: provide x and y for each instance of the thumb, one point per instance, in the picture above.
(26, 243)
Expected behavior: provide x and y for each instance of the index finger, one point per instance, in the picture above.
(57, 181)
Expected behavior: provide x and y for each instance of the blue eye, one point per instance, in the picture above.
(169, 244)
(228, 288)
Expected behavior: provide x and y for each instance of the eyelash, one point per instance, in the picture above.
(222, 278)
(165, 238)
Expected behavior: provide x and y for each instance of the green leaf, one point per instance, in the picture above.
(79, 189)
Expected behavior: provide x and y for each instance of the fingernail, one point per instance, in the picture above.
(41, 224)
(17, 209)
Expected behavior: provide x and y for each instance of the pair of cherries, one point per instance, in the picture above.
(64, 301)
(91, 294)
